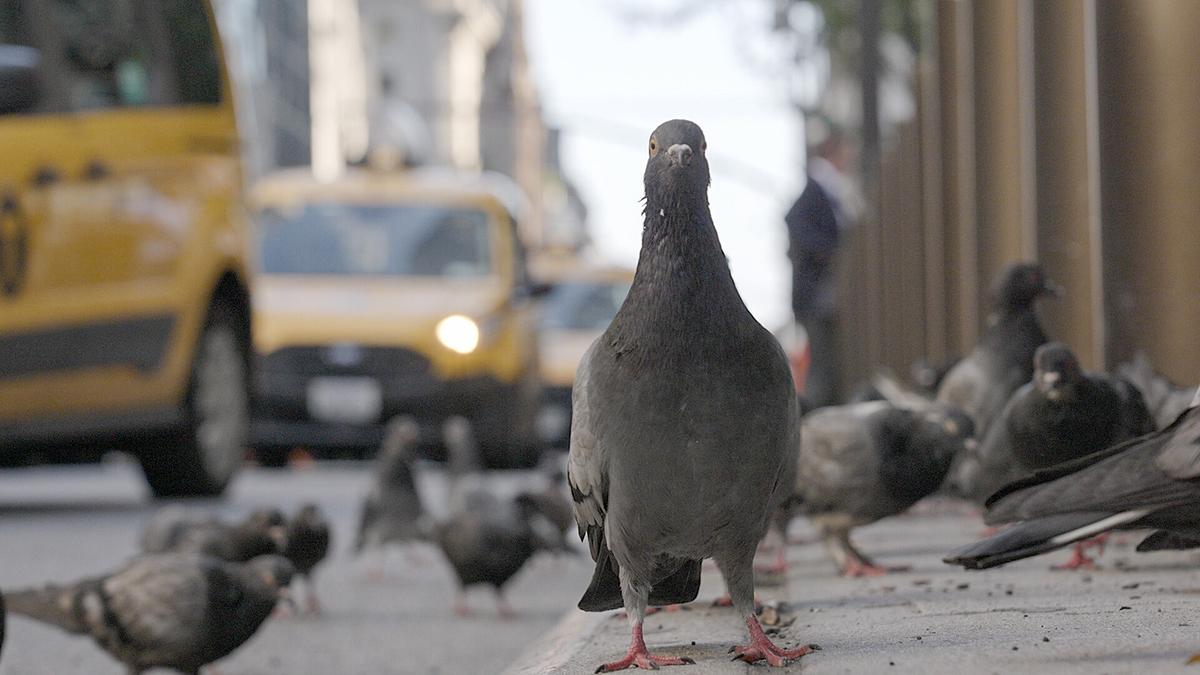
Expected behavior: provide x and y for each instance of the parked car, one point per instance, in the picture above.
(389, 293)
(582, 299)
(124, 304)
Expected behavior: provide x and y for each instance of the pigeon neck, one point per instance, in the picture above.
(682, 280)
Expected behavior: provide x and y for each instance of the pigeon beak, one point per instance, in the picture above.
(680, 154)
(279, 535)
(971, 445)
(1050, 379)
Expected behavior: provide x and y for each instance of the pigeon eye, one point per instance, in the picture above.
(653, 147)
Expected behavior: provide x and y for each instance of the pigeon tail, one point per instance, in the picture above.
(1038, 536)
(604, 592)
(1163, 540)
(54, 605)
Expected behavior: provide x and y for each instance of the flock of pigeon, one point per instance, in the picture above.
(687, 438)
(688, 442)
(201, 587)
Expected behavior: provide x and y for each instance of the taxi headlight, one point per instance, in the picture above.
(458, 333)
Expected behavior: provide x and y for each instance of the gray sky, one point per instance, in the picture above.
(609, 82)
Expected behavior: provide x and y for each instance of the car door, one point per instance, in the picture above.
(111, 307)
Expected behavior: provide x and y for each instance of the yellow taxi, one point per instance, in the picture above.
(581, 300)
(124, 305)
(386, 293)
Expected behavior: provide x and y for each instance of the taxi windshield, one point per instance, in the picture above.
(375, 240)
(582, 305)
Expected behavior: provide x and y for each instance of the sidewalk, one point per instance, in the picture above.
(1137, 613)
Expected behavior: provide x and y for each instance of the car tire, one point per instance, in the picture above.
(202, 457)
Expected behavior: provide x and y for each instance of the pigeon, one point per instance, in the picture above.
(175, 529)
(392, 511)
(308, 536)
(861, 462)
(552, 503)
(172, 610)
(1145, 482)
(1061, 415)
(486, 539)
(684, 419)
(1165, 399)
(982, 383)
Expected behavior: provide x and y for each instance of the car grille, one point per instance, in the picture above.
(343, 360)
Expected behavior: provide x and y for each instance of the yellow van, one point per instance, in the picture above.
(388, 293)
(124, 309)
(582, 299)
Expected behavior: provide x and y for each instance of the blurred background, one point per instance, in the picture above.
(247, 233)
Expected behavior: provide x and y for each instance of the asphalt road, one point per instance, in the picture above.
(63, 523)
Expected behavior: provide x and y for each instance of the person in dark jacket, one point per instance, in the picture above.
(815, 223)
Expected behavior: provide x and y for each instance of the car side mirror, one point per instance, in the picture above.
(18, 78)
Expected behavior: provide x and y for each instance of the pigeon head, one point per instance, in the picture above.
(265, 524)
(1054, 369)
(950, 426)
(1020, 284)
(677, 167)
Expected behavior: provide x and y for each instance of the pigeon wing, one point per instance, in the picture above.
(587, 466)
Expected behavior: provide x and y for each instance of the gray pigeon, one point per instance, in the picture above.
(861, 462)
(486, 539)
(308, 539)
(1061, 414)
(179, 611)
(684, 418)
(982, 383)
(1165, 399)
(179, 530)
(392, 512)
(551, 501)
(1146, 482)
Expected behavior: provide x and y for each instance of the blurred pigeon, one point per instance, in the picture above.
(551, 501)
(1146, 482)
(180, 611)
(179, 530)
(684, 422)
(308, 536)
(392, 511)
(981, 383)
(861, 462)
(1063, 414)
(487, 539)
(1165, 399)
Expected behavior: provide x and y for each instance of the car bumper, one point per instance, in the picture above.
(282, 416)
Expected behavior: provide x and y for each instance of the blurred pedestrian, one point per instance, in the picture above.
(815, 224)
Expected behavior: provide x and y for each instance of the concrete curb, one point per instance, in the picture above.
(552, 652)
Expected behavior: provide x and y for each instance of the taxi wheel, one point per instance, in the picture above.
(202, 457)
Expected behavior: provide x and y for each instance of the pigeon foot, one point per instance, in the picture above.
(860, 568)
(726, 601)
(1079, 557)
(762, 649)
(639, 657)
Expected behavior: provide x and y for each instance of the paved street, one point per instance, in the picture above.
(1137, 614)
(61, 523)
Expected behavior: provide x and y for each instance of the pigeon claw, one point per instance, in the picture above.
(645, 661)
(1079, 558)
(858, 568)
(762, 649)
